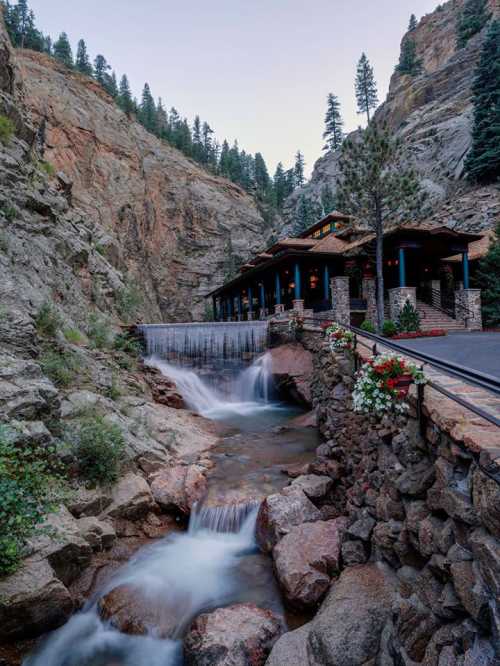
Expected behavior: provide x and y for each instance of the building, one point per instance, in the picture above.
(330, 268)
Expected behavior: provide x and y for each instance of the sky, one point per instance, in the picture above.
(258, 71)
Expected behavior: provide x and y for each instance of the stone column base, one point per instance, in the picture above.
(341, 304)
(397, 299)
(370, 295)
(279, 308)
(468, 308)
(250, 316)
(298, 305)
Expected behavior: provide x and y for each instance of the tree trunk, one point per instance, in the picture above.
(379, 230)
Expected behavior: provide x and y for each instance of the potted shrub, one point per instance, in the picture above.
(383, 382)
(340, 338)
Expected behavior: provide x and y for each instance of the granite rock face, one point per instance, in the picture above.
(162, 217)
(432, 113)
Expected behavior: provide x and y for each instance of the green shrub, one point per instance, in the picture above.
(60, 367)
(101, 249)
(128, 301)
(9, 213)
(98, 331)
(30, 487)
(113, 390)
(73, 336)
(6, 129)
(4, 243)
(409, 319)
(99, 448)
(126, 343)
(367, 326)
(47, 321)
(389, 329)
(47, 168)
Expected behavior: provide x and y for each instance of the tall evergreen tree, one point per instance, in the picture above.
(101, 68)
(299, 169)
(224, 159)
(162, 120)
(374, 187)
(409, 63)
(280, 186)
(147, 109)
(125, 96)
(62, 50)
(483, 161)
(82, 62)
(365, 87)
(262, 179)
(289, 181)
(111, 85)
(307, 213)
(23, 21)
(472, 19)
(197, 142)
(209, 154)
(47, 45)
(333, 124)
(413, 23)
(488, 279)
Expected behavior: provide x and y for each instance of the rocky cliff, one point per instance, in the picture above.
(163, 219)
(432, 113)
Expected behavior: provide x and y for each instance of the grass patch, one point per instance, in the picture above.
(98, 332)
(47, 168)
(60, 367)
(30, 487)
(128, 301)
(47, 321)
(9, 213)
(73, 336)
(99, 448)
(6, 129)
(113, 390)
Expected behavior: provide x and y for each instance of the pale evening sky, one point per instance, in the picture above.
(257, 71)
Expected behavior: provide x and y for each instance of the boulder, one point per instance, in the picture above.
(25, 393)
(314, 486)
(178, 488)
(305, 560)
(163, 389)
(486, 500)
(292, 370)
(32, 601)
(89, 501)
(291, 649)
(348, 627)
(279, 513)
(131, 498)
(129, 610)
(99, 534)
(239, 635)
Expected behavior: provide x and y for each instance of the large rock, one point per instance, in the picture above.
(178, 488)
(99, 534)
(279, 513)
(32, 601)
(240, 635)
(131, 498)
(291, 649)
(348, 628)
(315, 486)
(292, 369)
(24, 392)
(305, 560)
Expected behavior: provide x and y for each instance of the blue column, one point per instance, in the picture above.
(278, 289)
(465, 266)
(402, 267)
(239, 305)
(214, 307)
(222, 309)
(230, 307)
(297, 282)
(262, 297)
(326, 283)
(250, 299)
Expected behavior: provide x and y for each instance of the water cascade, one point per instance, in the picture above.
(202, 342)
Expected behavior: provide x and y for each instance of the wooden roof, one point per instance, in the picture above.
(295, 243)
(334, 216)
(477, 249)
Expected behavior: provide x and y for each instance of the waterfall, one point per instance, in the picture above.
(247, 392)
(233, 518)
(202, 342)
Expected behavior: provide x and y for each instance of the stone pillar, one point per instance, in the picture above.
(298, 305)
(279, 308)
(468, 308)
(340, 300)
(436, 292)
(369, 291)
(397, 299)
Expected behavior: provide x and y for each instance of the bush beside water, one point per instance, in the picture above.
(99, 448)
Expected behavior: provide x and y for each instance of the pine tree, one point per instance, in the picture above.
(365, 86)
(62, 50)
(101, 68)
(299, 169)
(472, 19)
(82, 62)
(290, 181)
(209, 154)
(47, 45)
(224, 159)
(488, 279)
(197, 142)
(408, 61)
(328, 202)
(483, 161)
(147, 110)
(374, 187)
(125, 96)
(111, 85)
(23, 17)
(280, 186)
(307, 213)
(262, 179)
(162, 120)
(333, 124)
(413, 23)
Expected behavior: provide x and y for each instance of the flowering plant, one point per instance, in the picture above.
(295, 324)
(383, 382)
(340, 338)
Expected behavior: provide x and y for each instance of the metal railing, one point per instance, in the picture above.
(469, 375)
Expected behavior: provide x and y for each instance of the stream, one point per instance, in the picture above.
(216, 562)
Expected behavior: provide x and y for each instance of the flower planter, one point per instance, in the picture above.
(402, 384)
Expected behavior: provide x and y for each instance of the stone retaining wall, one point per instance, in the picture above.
(429, 506)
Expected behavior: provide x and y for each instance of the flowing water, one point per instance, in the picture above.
(216, 562)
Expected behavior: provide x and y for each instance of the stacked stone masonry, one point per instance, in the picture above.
(429, 507)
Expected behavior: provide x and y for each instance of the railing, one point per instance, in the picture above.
(438, 300)
(471, 376)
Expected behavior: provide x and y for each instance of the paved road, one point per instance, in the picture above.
(479, 351)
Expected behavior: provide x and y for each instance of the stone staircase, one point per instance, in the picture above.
(431, 317)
